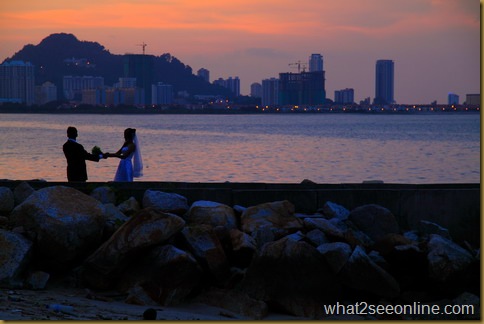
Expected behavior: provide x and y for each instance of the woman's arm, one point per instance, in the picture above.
(120, 154)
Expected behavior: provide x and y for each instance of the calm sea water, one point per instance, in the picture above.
(325, 148)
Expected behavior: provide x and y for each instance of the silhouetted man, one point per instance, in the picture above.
(76, 157)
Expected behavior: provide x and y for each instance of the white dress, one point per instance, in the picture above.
(125, 167)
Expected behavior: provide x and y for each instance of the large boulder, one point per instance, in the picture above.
(63, 223)
(7, 200)
(243, 248)
(148, 228)
(333, 210)
(278, 214)
(211, 213)
(15, 253)
(292, 276)
(446, 259)
(337, 230)
(22, 192)
(374, 220)
(205, 245)
(104, 194)
(336, 254)
(166, 274)
(166, 201)
(361, 273)
(129, 207)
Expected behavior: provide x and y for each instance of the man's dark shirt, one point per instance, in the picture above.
(76, 157)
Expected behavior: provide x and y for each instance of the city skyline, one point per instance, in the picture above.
(435, 44)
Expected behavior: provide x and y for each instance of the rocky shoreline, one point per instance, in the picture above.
(247, 262)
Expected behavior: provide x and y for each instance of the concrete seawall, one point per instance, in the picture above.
(453, 206)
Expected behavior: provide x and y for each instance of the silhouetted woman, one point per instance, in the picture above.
(131, 164)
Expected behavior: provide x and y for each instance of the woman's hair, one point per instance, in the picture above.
(129, 133)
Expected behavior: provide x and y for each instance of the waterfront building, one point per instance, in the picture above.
(161, 94)
(473, 99)
(256, 90)
(453, 99)
(45, 93)
(94, 97)
(141, 67)
(17, 82)
(270, 92)
(233, 84)
(204, 74)
(344, 96)
(316, 63)
(384, 82)
(73, 86)
(126, 83)
(305, 88)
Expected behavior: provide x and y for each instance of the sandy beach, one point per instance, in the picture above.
(21, 305)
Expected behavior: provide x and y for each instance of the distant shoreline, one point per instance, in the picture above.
(138, 111)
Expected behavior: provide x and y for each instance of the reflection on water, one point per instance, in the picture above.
(324, 148)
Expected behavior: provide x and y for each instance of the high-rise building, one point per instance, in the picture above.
(473, 99)
(17, 82)
(316, 63)
(204, 74)
(161, 94)
(45, 93)
(384, 82)
(344, 96)
(270, 92)
(141, 67)
(256, 90)
(74, 85)
(233, 84)
(453, 99)
(305, 88)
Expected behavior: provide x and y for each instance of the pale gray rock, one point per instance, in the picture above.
(446, 258)
(333, 210)
(331, 228)
(211, 213)
(63, 223)
(167, 202)
(15, 256)
(7, 200)
(278, 214)
(317, 237)
(374, 220)
(336, 254)
(104, 194)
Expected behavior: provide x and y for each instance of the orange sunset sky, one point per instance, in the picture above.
(435, 44)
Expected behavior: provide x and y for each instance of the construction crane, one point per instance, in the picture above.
(299, 64)
(142, 45)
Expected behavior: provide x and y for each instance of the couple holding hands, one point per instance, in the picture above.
(130, 165)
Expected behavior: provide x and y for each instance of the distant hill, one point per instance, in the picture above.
(57, 55)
